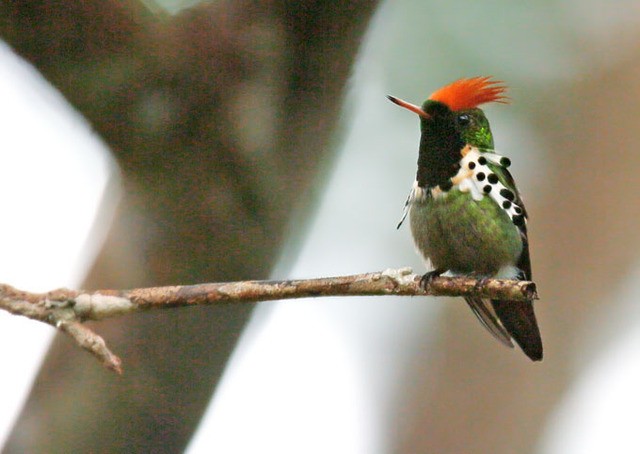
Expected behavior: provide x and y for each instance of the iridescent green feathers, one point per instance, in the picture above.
(466, 213)
(463, 98)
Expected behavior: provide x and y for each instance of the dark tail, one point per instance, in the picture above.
(518, 319)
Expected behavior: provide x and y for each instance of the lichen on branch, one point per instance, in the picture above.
(66, 310)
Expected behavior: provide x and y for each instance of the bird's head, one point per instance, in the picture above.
(454, 107)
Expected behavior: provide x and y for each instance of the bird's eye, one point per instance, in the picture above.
(464, 120)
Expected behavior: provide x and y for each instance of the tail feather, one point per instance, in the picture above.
(519, 320)
(485, 314)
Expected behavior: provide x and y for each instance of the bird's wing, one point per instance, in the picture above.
(405, 210)
(518, 317)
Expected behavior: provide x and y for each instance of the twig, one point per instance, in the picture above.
(68, 309)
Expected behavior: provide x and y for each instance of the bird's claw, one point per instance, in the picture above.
(480, 283)
(426, 278)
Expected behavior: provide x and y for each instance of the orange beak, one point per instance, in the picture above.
(412, 107)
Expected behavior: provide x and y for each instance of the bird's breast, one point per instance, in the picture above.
(467, 225)
(476, 177)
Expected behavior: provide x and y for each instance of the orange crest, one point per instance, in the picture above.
(469, 93)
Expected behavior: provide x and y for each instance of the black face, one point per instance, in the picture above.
(440, 144)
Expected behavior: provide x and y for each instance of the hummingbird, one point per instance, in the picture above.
(465, 212)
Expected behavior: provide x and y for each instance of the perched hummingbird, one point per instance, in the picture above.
(465, 212)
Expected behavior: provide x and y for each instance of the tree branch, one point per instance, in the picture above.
(66, 309)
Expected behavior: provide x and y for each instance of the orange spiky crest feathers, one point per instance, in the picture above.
(469, 93)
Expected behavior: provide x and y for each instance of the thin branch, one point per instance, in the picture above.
(66, 309)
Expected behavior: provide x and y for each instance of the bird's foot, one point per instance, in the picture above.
(480, 283)
(426, 279)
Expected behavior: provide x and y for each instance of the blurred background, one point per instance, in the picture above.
(164, 142)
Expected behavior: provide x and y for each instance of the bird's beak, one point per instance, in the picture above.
(413, 108)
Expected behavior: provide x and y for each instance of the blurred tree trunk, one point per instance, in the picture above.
(584, 237)
(220, 119)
